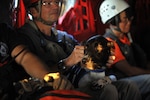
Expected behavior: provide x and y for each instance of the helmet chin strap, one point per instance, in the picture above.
(117, 21)
(115, 28)
(44, 22)
(118, 29)
(41, 19)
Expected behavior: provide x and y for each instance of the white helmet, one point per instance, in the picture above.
(110, 8)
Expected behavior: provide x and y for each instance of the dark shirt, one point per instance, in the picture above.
(10, 71)
(51, 49)
(8, 41)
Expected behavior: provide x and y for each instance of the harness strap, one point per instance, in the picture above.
(15, 57)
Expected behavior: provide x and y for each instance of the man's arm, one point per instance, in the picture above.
(129, 70)
(75, 57)
(31, 63)
(36, 68)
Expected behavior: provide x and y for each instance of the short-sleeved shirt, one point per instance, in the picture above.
(51, 49)
(9, 39)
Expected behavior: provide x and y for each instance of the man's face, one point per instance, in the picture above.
(125, 22)
(50, 10)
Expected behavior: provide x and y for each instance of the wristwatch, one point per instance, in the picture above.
(61, 65)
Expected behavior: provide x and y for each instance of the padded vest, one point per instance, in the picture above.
(49, 51)
(133, 54)
(126, 50)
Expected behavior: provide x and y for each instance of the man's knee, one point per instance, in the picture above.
(110, 89)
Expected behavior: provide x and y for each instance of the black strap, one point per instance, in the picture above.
(15, 57)
(7, 68)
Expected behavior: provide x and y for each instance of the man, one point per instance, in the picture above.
(127, 65)
(15, 57)
(57, 48)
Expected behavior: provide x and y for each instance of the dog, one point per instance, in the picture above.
(91, 70)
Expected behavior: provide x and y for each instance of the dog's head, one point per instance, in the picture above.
(97, 52)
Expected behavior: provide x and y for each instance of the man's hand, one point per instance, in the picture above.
(76, 56)
(57, 81)
(62, 83)
(111, 59)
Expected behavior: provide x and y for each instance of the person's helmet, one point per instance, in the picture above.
(33, 2)
(37, 4)
(110, 8)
